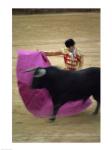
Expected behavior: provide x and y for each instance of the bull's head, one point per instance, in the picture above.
(38, 80)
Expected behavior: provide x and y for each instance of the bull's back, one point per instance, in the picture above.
(89, 79)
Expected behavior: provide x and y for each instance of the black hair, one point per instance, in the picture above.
(69, 42)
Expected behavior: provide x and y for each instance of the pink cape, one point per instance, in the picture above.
(39, 102)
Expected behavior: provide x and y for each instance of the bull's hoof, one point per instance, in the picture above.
(95, 113)
(52, 119)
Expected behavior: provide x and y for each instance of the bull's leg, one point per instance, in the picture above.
(55, 110)
(97, 109)
(97, 98)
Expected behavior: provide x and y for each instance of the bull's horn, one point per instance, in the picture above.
(30, 69)
(41, 72)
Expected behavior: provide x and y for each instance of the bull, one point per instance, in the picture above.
(65, 86)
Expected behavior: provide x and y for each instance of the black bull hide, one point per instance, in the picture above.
(66, 85)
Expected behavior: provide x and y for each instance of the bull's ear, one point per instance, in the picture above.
(41, 72)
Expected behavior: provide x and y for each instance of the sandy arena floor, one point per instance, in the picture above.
(48, 32)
